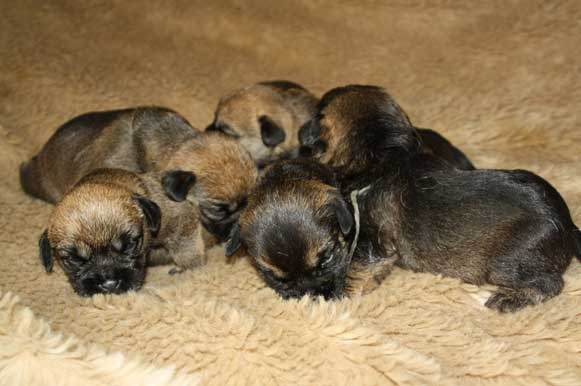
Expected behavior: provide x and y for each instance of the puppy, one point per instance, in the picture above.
(111, 225)
(210, 169)
(313, 143)
(511, 229)
(266, 117)
(298, 230)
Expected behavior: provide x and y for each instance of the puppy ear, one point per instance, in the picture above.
(234, 241)
(309, 132)
(177, 184)
(344, 216)
(310, 139)
(271, 133)
(151, 212)
(45, 252)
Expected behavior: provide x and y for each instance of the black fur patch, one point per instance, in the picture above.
(271, 133)
(152, 214)
(45, 252)
(283, 85)
(234, 241)
(177, 184)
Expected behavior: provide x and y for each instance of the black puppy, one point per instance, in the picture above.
(507, 228)
(298, 230)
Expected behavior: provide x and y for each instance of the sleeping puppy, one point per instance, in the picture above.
(511, 229)
(111, 225)
(266, 117)
(313, 143)
(210, 169)
(298, 230)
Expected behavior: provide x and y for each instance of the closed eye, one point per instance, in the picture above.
(326, 257)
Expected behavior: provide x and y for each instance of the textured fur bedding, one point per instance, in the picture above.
(499, 79)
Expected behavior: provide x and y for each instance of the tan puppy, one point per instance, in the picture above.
(266, 117)
(147, 139)
(111, 225)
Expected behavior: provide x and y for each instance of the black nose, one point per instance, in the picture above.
(109, 286)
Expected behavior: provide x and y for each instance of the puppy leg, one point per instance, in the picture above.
(188, 252)
(531, 292)
(363, 279)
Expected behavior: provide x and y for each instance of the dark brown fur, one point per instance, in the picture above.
(362, 109)
(91, 230)
(146, 139)
(297, 228)
(507, 228)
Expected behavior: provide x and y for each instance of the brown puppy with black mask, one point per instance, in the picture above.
(210, 169)
(111, 225)
(266, 118)
(509, 228)
(298, 230)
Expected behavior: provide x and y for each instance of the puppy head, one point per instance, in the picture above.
(354, 125)
(100, 236)
(265, 118)
(298, 237)
(217, 173)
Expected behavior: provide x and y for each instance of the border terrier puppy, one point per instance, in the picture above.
(313, 143)
(509, 228)
(266, 118)
(211, 169)
(298, 230)
(111, 225)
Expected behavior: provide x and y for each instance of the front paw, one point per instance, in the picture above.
(175, 271)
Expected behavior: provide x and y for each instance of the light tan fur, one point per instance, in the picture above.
(101, 208)
(242, 109)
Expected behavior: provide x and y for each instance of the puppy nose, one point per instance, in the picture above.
(109, 285)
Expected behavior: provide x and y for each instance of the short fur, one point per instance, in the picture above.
(297, 229)
(266, 117)
(146, 139)
(111, 225)
(366, 107)
(507, 228)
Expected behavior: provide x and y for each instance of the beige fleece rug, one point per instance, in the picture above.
(502, 79)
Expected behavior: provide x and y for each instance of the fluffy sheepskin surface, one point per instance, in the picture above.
(501, 79)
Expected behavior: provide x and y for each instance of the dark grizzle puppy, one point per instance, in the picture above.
(111, 225)
(266, 117)
(211, 169)
(507, 228)
(298, 230)
(314, 143)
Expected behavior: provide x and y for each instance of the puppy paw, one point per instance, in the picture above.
(175, 271)
(508, 301)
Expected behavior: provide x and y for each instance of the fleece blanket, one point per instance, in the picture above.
(501, 79)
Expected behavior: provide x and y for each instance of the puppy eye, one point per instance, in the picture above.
(216, 213)
(128, 244)
(71, 258)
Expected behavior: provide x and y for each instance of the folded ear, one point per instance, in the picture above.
(344, 216)
(177, 184)
(151, 212)
(45, 252)
(310, 140)
(271, 133)
(234, 241)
